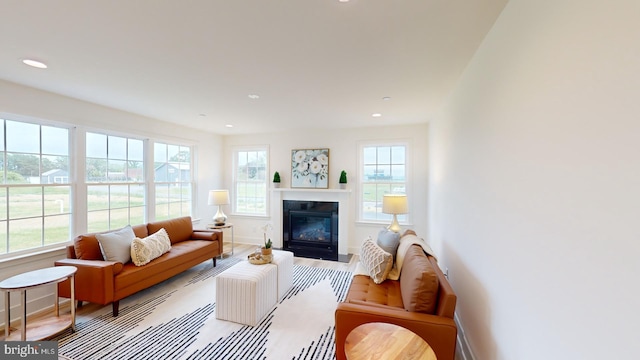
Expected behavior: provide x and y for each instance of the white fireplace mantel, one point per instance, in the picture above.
(341, 196)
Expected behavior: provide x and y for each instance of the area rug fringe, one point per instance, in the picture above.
(105, 337)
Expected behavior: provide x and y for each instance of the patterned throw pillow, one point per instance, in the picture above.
(375, 260)
(149, 248)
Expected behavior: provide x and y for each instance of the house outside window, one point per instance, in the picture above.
(251, 180)
(383, 170)
(116, 189)
(173, 180)
(35, 193)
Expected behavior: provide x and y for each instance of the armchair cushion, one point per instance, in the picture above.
(418, 282)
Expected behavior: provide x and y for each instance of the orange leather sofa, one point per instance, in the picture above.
(103, 282)
(368, 302)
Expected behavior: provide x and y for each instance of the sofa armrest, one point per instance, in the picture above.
(439, 332)
(94, 280)
(211, 235)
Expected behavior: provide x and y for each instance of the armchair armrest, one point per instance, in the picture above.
(439, 332)
(94, 280)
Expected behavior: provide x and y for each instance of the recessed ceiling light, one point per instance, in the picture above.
(229, 125)
(203, 115)
(343, 0)
(254, 96)
(386, 98)
(376, 115)
(34, 63)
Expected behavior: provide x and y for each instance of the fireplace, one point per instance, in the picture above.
(310, 228)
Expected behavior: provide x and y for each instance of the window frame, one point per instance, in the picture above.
(111, 184)
(384, 219)
(77, 186)
(67, 210)
(154, 182)
(234, 166)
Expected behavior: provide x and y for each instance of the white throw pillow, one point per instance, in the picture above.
(116, 245)
(375, 260)
(149, 248)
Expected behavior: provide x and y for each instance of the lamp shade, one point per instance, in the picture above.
(395, 204)
(219, 197)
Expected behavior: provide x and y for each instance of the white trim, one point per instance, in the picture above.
(342, 197)
(463, 350)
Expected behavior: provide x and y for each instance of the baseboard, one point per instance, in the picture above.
(462, 345)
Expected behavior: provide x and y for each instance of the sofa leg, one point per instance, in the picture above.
(115, 306)
(79, 304)
(214, 262)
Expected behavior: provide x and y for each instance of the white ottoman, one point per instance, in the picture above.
(245, 292)
(284, 261)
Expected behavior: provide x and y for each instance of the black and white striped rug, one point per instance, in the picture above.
(176, 320)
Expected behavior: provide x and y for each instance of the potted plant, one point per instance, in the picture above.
(343, 180)
(276, 179)
(266, 249)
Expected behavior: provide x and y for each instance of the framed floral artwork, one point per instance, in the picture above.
(310, 168)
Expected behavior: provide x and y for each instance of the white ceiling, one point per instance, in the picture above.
(314, 63)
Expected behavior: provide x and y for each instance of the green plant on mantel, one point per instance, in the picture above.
(276, 177)
(343, 177)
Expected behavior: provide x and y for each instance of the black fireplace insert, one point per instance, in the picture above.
(310, 229)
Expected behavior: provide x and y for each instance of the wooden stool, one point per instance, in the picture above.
(386, 341)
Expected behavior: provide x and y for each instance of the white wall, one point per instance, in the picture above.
(535, 183)
(24, 101)
(343, 148)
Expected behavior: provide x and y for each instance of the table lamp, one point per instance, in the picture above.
(219, 197)
(395, 204)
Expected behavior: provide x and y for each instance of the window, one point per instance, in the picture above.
(250, 181)
(115, 181)
(172, 177)
(35, 193)
(39, 183)
(383, 171)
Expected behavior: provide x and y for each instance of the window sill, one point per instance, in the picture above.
(7, 260)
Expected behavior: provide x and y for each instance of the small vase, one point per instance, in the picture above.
(266, 251)
(343, 186)
(276, 185)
